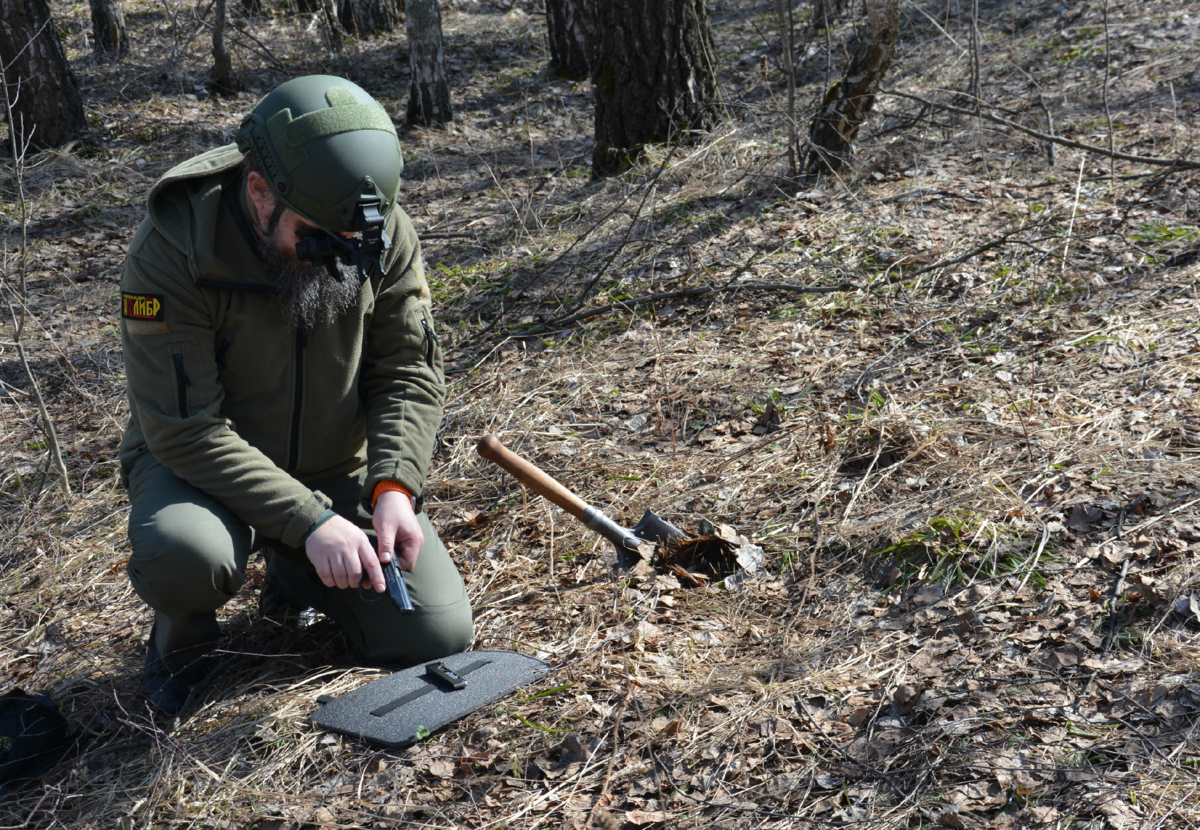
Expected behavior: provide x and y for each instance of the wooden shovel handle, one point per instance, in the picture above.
(531, 475)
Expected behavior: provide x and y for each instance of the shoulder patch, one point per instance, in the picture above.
(141, 306)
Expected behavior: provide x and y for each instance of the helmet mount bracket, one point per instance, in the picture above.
(363, 250)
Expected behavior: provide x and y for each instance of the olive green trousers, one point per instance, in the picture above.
(189, 555)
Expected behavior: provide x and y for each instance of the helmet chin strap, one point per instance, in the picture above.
(277, 212)
(251, 209)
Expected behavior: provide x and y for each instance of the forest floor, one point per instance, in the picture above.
(972, 467)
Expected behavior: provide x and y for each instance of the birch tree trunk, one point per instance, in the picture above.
(429, 95)
(108, 30)
(655, 76)
(849, 100)
(569, 31)
(223, 81)
(332, 28)
(47, 109)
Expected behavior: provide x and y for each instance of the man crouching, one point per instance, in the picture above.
(285, 388)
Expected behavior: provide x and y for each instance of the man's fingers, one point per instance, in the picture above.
(324, 573)
(410, 546)
(385, 532)
(339, 572)
(354, 572)
(372, 569)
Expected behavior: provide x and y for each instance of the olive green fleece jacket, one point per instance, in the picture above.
(242, 406)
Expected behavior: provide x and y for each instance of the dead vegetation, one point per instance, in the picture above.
(974, 477)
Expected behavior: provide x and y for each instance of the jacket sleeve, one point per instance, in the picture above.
(403, 380)
(175, 397)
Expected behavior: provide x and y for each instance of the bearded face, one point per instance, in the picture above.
(307, 295)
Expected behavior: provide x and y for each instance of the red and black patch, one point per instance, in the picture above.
(141, 306)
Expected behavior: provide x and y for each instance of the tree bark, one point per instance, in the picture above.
(223, 81)
(108, 30)
(429, 95)
(365, 17)
(655, 76)
(569, 30)
(47, 109)
(849, 100)
(825, 13)
(332, 27)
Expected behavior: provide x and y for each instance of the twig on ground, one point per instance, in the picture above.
(1181, 164)
(29, 819)
(598, 804)
(20, 143)
(974, 252)
(590, 284)
(863, 481)
(1114, 601)
(687, 292)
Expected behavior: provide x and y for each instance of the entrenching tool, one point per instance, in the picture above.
(626, 540)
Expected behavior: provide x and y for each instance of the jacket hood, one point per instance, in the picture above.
(186, 207)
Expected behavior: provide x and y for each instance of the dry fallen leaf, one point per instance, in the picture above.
(643, 817)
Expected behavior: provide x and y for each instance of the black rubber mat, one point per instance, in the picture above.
(400, 709)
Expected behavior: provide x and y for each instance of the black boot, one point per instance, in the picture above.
(274, 604)
(276, 607)
(169, 694)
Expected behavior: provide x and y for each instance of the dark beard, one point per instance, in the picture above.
(308, 295)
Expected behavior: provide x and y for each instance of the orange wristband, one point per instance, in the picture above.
(385, 486)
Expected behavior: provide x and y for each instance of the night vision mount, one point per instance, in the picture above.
(334, 251)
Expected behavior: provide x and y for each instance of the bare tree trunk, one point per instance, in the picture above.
(46, 107)
(569, 30)
(223, 81)
(108, 30)
(332, 27)
(655, 76)
(429, 95)
(826, 13)
(785, 40)
(849, 100)
(365, 17)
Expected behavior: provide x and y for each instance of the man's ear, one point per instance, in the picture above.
(261, 200)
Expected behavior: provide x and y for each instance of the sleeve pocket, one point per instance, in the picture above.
(182, 381)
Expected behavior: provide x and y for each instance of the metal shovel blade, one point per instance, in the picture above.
(650, 529)
(653, 529)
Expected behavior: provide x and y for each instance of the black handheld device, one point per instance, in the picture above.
(397, 590)
(396, 587)
(334, 251)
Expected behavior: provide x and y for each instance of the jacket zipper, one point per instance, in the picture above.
(182, 382)
(429, 341)
(294, 448)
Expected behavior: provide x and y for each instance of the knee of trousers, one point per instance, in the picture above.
(429, 634)
(187, 560)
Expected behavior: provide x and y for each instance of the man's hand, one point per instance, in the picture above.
(342, 553)
(398, 530)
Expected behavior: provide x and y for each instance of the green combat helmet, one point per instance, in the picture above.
(329, 152)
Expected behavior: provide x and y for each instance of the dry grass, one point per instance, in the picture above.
(949, 468)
